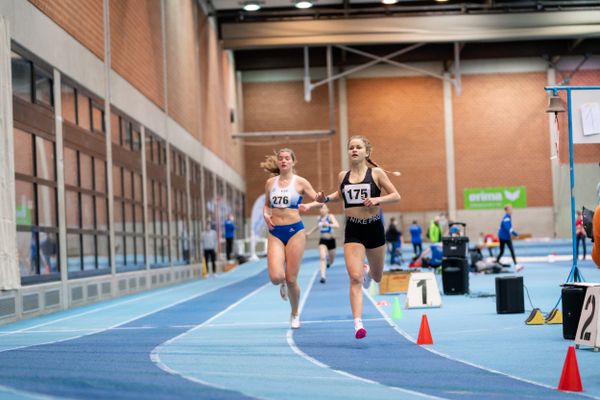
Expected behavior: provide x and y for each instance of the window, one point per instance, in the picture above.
(81, 109)
(86, 192)
(196, 211)
(31, 82)
(159, 252)
(36, 206)
(86, 212)
(209, 197)
(130, 251)
(35, 171)
(179, 209)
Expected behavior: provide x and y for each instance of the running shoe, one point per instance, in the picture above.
(359, 331)
(519, 267)
(283, 291)
(295, 321)
(322, 280)
(328, 265)
(366, 276)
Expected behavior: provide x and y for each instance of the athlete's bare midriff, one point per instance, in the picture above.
(285, 216)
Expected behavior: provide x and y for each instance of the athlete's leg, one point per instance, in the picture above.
(293, 256)
(376, 259)
(512, 250)
(502, 244)
(354, 254)
(275, 260)
(331, 256)
(323, 261)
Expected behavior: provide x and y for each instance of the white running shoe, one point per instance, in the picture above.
(295, 321)
(359, 331)
(519, 267)
(283, 291)
(366, 276)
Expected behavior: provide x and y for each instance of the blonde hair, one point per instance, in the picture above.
(270, 163)
(369, 148)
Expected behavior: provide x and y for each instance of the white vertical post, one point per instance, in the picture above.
(107, 128)
(9, 262)
(449, 142)
(343, 123)
(60, 183)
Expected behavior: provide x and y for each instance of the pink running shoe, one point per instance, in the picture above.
(359, 331)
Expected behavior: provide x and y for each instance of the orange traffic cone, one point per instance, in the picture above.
(424, 333)
(570, 379)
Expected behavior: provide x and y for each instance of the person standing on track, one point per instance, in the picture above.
(286, 239)
(360, 189)
(327, 245)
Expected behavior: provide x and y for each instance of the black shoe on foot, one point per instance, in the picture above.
(322, 280)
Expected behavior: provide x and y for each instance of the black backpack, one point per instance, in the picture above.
(588, 217)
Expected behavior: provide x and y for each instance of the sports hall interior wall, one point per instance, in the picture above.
(501, 137)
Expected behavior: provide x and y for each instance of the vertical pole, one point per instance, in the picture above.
(307, 84)
(574, 275)
(330, 89)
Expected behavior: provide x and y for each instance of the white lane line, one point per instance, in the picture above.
(155, 356)
(296, 349)
(122, 322)
(120, 303)
(323, 321)
(408, 337)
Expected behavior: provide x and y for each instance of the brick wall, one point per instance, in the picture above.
(280, 106)
(136, 45)
(183, 84)
(84, 20)
(501, 135)
(404, 120)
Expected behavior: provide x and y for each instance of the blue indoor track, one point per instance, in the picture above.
(229, 338)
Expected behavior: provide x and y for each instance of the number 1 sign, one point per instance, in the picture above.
(423, 291)
(588, 331)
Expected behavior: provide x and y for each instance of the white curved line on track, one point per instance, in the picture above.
(92, 332)
(155, 357)
(295, 349)
(410, 338)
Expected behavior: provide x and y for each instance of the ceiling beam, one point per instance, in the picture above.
(421, 29)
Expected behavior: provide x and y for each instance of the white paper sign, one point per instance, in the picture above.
(588, 331)
(590, 118)
(423, 291)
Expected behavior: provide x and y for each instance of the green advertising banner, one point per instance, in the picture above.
(498, 197)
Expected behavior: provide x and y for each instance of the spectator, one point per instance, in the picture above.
(443, 224)
(392, 237)
(416, 239)
(580, 235)
(209, 245)
(505, 234)
(434, 232)
(229, 235)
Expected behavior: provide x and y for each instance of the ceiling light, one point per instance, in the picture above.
(251, 5)
(303, 3)
(389, 1)
(441, 1)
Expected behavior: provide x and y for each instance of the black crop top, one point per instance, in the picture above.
(355, 193)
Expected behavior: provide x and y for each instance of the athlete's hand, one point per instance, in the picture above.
(320, 198)
(268, 221)
(371, 201)
(303, 207)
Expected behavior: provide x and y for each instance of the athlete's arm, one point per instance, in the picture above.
(334, 223)
(383, 181)
(267, 208)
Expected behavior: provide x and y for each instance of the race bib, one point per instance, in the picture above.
(278, 201)
(355, 194)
